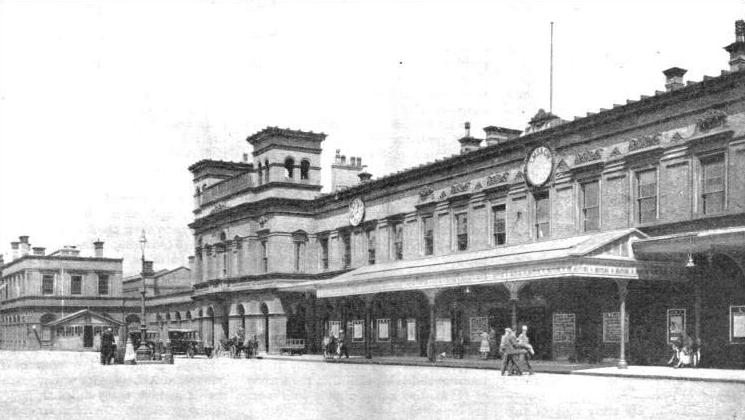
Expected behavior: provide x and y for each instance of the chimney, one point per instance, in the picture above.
(39, 250)
(497, 135)
(736, 50)
(674, 78)
(245, 158)
(98, 249)
(364, 177)
(468, 143)
(345, 174)
(14, 247)
(25, 247)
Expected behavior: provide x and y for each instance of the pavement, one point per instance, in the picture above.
(607, 369)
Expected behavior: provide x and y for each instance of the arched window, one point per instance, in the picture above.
(223, 236)
(261, 174)
(289, 168)
(266, 170)
(188, 315)
(304, 169)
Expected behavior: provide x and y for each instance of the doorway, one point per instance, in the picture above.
(88, 336)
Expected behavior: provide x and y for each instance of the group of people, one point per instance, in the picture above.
(239, 343)
(515, 350)
(686, 352)
(332, 345)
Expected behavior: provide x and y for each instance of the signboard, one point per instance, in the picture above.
(383, 329)
(676, 324)
(612, 327)
(737, 323)
(334, 328)
(411, 329)
(564, 328)
(443, 329)
(478, 325)
(358, 330)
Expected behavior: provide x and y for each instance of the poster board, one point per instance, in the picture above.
(411, 329)
(612, 327)
(443, 332)
(564, 328)
(737, 324)
(334, 328)
(676, 324)
(358, 330)
(479, 324)
(383, 329)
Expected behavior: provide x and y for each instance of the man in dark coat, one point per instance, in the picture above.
(107, 346)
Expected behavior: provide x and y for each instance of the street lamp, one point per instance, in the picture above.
(143, 352)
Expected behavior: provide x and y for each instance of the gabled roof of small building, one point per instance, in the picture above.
(83, 312)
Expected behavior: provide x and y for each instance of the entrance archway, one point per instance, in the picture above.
(265, 312)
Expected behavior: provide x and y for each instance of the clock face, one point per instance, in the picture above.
(539, 165)
(356, 211)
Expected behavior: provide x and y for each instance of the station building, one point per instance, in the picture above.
(608, 235)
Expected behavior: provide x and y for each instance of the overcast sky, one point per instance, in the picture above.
(103, 105)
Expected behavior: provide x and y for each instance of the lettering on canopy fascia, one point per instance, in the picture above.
(643, 142)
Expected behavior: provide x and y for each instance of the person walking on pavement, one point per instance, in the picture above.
(528, 352)
(484, 348)
(509, 349)
(107, 344)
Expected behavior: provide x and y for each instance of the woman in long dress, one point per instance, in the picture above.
(484, 349)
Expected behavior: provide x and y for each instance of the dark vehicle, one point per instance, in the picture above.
(150, 340)
(186, 342)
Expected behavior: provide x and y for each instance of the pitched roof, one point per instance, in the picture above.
(81, 313)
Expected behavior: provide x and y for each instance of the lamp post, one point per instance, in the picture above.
(143, 352)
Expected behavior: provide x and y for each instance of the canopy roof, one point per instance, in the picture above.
(600, 255)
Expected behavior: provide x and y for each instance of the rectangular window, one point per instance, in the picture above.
(429, 236)
(646, 195)
(371, 241)
(411, 329)
(76, 285)
(591, 206)
(461, 229)
(325, 253)
(398, 241)
(297, 255)
(103, 284)
(346, 238)
(264, 257)
(542, 215)
(712, 188)
(499, 225)
(47, 284)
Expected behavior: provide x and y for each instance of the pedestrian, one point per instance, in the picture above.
(341, 347)
(508, 349)
(484, 348)
(528, 351)
(107, 343)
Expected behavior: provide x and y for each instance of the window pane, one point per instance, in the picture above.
(103, 285)
(713, 202)
(592, 218)
(591, 191)
(647, 209)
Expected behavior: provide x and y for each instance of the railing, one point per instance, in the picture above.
(225, 188)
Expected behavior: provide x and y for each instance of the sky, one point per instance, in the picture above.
(104, 104)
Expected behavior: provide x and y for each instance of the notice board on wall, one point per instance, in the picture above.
(737, 323)
(612, 327)
(443, 332)
(479, 324)
(564, 328)
(676, 324)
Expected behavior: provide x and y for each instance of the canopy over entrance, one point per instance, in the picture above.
(608, 255)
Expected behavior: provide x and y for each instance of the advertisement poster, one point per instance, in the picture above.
(383, 329)
(334, 327)
(737, 323)
(478, 325)
(358, 331)
(411, 329)
(676, 324)
(443, 329)
(612, 327)
(564, 328)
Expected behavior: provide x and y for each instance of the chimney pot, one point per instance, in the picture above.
(736, 50)
(674, 78)
(23, 239)
(98, 248)
(245, 157)
(364, 177)
(38, 250)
